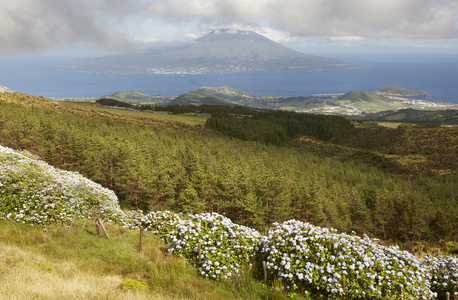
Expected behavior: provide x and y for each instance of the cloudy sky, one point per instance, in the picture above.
(50, 26)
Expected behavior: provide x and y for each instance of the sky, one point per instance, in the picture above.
(311, 26)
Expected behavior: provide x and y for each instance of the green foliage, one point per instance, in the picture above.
(197, 98)
(137, 98)
(198, 109)
(221, 249)
(36, 193)
(277, 127)
(153, 165)
(113, 102)
(43, 266)
(302, 258)
(166, 276)
(324, 263)
(414, 149)
(133, 285)
(430, 117)
(452, 247)
(364, 96)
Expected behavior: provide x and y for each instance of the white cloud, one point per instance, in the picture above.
(365, 18)
(34, 25)
(347, 38)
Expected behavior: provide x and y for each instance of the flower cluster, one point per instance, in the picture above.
(160, 223)
(322, 262)
(34, 192)
(225, 248)
(444, 271)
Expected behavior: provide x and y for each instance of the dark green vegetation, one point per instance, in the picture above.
(277, 127)
(196, 98)
(168, 165)
(396, 90)
(113, 102)
(446, 117)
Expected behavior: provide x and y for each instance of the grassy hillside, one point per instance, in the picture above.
(423, 150)
(161, 164)
(56, 202)
(137, 98)
(197, 98)
(225, 92)
(446, 117)
(158, 165)
(37, 264)
(227, 254)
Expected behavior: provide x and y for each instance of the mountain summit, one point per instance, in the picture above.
(221, 51)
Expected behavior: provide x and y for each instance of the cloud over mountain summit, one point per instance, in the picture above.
(31, 25)
(369, 18)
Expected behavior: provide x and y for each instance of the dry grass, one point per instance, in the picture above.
(49, 264)
(26, 274)
(389, 124)
(188, 119)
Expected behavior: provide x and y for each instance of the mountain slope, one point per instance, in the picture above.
(196, 98)
(225, 92)
(137, 98)
(221, 51)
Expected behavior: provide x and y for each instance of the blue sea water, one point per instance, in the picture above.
(436, 74)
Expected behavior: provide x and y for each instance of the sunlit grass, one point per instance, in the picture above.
(389, 124)
(39, 264)
(189, 119)
(27, 274)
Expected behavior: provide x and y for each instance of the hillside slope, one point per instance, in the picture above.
(152, 164)
(445, 117)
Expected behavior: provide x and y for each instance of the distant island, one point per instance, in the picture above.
(220, 51)
(396, 90)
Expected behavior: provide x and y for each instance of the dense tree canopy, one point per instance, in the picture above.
(277, 127)
(254, 184)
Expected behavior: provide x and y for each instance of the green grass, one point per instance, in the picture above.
(91, 267)
(180, 118)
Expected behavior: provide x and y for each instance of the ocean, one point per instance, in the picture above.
(435, 74)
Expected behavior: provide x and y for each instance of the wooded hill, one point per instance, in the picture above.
(162, 164)
(446, 117)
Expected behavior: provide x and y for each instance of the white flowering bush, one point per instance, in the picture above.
(226, 248)
(444, 272)
(322, 262)
(160, 223)
(34, 192)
